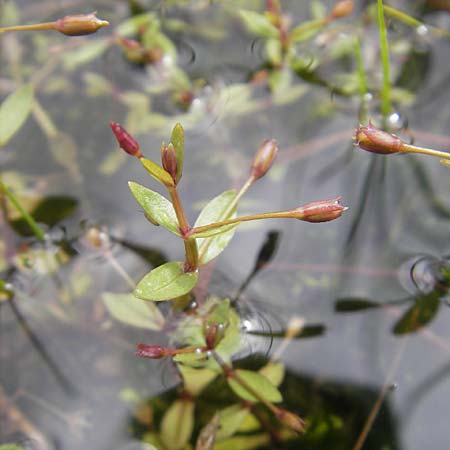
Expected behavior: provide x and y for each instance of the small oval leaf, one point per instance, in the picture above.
(157, 172)
(14, 112)
(156, 206)
(177, 424)
(177, 140)
(213, 212)
(166, 282)
(258, 382)
(258, 24)
(133, 311)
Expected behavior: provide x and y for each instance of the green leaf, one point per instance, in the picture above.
(306, 30)
(166, 282)
(177, 424)
(157, 172)
(177, 140)
(231, 419)
(354, 304)
(10, 447)
(156, 206)
(195, 380)
(133, 311)
(85, 54)
(250, 442)
(419, 315)
(213, 212)
(14, 112)
(274, 372)
(258, 24)
(258, 383)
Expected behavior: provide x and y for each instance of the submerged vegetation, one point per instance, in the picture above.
(83, 284)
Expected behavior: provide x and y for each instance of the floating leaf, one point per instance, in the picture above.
(258, 383)
(419, 315)
(231, 419)
(49, 211)
(354, 304)
(250, 442)
(166, 282)
(157, 172)
(177, 140)
(213, 212)
(14, 112)
(11, 447)
(133, 311)
(306, 30)
(156, 206)
(258, 24)
(177, 424)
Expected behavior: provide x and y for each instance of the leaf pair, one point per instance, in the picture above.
(169, 280)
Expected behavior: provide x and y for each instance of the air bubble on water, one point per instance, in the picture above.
(422, 30)
(199, 351)
(397, 121)
(393, 386)
(368, 96)
(246, 325)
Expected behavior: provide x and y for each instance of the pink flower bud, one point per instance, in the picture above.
(151, 351)
(320, 211)
(169, 160)
(291, 420)
(80, 24)
(263, 159)
(374, 140)
(125, 140)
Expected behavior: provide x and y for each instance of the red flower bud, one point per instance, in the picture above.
(374, 140)
(80, 24)
(320, 211)
(125, 140)
(151, 351)
(169, 160)
(263, 159)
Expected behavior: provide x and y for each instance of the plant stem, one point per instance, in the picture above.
(407, 148)
(31, 27)
(35, 228)
(362, 80)
(190, 245)
(384, 49)
(271, 215)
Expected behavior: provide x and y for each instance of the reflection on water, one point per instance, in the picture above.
(369, 365)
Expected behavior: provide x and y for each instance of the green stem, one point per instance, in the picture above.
(31, 27)
(271, 215)
(384, 48)
(190, 245)
(407, 148)
(35, 228)
(360, 67)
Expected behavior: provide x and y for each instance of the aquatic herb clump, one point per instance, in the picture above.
(216, 223)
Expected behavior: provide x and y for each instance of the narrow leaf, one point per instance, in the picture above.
(166, 282)
(177, 424)
(231, 419)
(156, 206)
(258, 24)
(177, 140)
(14, 112)
(133, 311)
(258, 382)
(354, 304)
(213, 212)
(157, 172)
(274, 372)
(419, 315)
